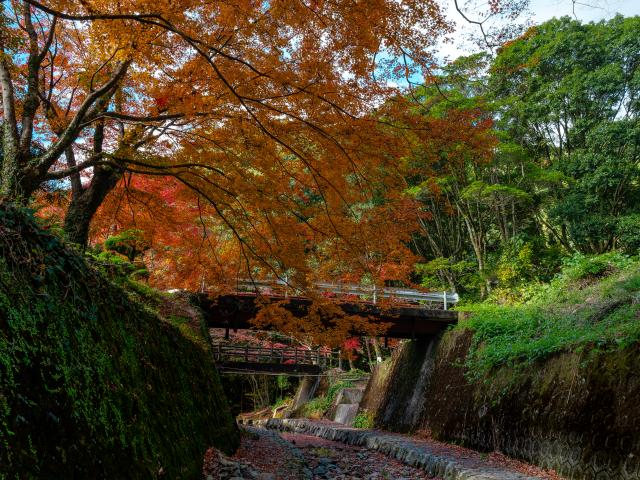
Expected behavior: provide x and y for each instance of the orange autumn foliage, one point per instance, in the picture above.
(249, 138)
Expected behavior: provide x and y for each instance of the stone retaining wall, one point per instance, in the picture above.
(577, 413)
(397, 388)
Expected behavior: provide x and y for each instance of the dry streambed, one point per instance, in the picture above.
(325, 453)
(333, 460)
(435, 459)
(267, 455)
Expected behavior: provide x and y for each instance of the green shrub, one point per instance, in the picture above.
(592, 303)
(130, 243)
(364, 419)
(317, 407)
(581, 266)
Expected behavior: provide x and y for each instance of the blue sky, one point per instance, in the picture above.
(542, 10)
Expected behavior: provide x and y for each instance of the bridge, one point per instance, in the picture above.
(288, 360)
(409, 313)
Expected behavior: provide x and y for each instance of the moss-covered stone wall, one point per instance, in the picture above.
(576, 412)
(93, 384)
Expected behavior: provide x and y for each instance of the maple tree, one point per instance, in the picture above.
(262, 137)
(257, 89)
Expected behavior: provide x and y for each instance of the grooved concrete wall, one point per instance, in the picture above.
(397, 388)
(577, 413)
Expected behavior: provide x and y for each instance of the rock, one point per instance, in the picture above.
(320, 470)
(266, 476)
(218, 466)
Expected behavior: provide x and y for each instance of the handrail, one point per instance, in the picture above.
(373, 292)
(281, 355)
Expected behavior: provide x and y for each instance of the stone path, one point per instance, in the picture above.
(432, 459)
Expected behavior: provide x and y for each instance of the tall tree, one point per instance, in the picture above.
(569, 93)
(133, 85)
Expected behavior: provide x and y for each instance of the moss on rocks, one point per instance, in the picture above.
(92, 383)
(575, 412)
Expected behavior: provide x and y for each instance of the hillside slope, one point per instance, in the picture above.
(93, 384)
(553, 381)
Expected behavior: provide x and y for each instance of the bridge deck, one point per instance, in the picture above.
(232, 358)
(235, 311)
(273, 368)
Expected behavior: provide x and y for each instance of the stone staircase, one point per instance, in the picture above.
(346, 405)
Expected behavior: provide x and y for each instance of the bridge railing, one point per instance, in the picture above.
(372, 293)
(287, 355)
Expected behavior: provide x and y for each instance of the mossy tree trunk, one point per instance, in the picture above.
(84, 205)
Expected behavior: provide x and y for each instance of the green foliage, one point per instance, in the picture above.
(283, 382)
(593, 302)
(364, 419)
(92, 384)
(564, 176)
(465, 272)
(628, 232)
(318, 406)
(568, 91)
(581, 266)
(280, 402)
(112, 264)
(130, 243)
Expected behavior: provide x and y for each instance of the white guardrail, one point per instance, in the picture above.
(373, 293)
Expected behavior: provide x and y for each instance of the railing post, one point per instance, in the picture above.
(295, 355)
(246, 353)
(339, 359)
(445, 299)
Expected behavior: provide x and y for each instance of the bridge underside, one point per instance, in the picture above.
(236, 311)
(274, 368)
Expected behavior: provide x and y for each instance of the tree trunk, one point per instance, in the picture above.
(370, 362)
(10, 166)
(84, 206)
(376, 348)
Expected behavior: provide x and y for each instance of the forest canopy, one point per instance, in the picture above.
(255, 121)
(563, 177)
(271, 139)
